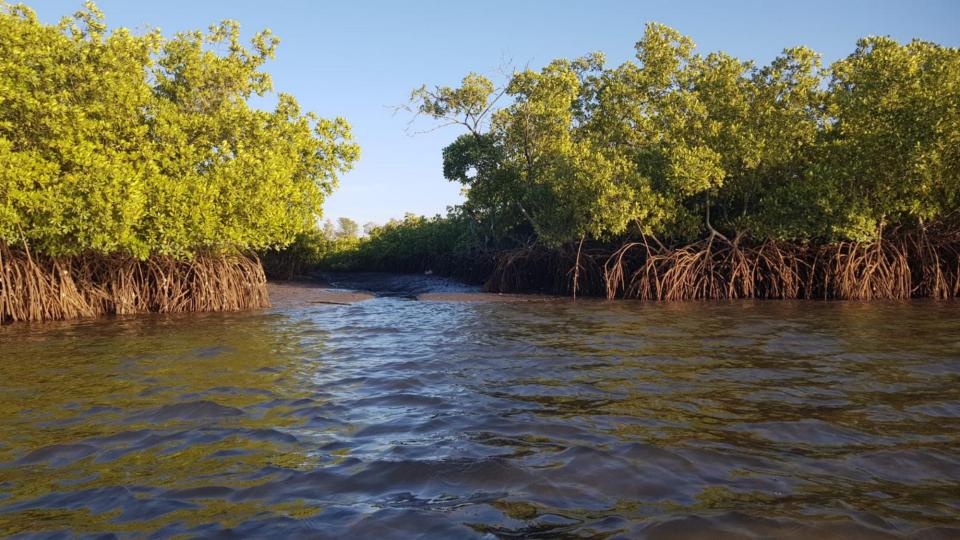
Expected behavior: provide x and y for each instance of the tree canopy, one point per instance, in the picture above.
(680, 144)
(117, 142)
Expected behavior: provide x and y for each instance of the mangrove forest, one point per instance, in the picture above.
(134, 174)
(657, 292)
(680, 175)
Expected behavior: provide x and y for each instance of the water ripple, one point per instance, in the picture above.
(393, 417)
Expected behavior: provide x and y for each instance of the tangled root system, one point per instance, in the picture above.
(38, 288)
(895, 267)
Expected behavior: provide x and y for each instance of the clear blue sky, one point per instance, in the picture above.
(359, 59)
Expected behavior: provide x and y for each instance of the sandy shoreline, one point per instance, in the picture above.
(482, 297)
(305, 293)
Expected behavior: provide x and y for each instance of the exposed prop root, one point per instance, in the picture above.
(38, 288)
(895, 267)
(551, 271)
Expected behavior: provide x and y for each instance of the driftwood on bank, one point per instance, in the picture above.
(36, 287)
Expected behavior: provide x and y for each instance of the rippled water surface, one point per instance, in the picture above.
(401, 418)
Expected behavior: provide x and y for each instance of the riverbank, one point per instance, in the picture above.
(899, 266)
(350, 287)
(37, 287)
(299, 293)
(922, 263)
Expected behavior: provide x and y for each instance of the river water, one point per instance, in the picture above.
(398, 418)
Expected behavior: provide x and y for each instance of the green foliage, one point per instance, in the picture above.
(310, 250)
(348, 228)
(895, 146)
(467, 105)
(115, 142)
(680, 144)
(413, 244)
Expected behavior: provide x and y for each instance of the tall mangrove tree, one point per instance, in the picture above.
(685, 175)
(134, 173)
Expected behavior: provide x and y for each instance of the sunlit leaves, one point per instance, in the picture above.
(895, 139)
(116, 142)
(676, 142)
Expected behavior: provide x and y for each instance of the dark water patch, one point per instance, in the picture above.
(395, 285)
(58, 454)
(209, 352)
(205, 492)
(945, 409)
(130, 505)
(737, 525)
(187, 411)
(267, 370)
(810, 432)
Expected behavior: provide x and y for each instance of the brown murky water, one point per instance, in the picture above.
(399, 418)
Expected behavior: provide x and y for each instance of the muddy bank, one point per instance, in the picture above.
(399, 285)
(484, 297)
(291, 294)
(350, 287)
(423, 287)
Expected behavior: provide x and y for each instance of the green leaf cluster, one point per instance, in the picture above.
(678, 144)
(414, 243)
(118, 142)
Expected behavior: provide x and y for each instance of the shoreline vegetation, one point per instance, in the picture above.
(678, 176)
(902, 265)
(134, 174)
(40, 288)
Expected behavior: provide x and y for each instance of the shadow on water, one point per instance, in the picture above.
(395, 285)
(394, 417)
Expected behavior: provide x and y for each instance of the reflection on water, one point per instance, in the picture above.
(394, 417)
